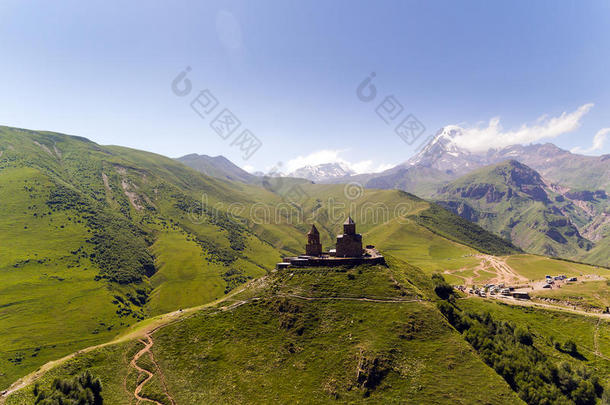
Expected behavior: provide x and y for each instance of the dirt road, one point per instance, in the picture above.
(503, 273)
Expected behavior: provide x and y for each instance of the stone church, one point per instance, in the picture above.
(348, 245)
(348, 252)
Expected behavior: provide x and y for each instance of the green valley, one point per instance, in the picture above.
(106, 249)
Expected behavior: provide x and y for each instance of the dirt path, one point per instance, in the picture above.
(524, 303)
(596, 338)
(385, 300)
(134, 363)
(492, 264)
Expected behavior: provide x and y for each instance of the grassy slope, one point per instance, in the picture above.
(283, 349)
(599, 254)
(590, 294)
(550, 326)
(49, 301)
(421, 247)
(51, 304)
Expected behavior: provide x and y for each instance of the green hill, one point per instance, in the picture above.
(370, 333)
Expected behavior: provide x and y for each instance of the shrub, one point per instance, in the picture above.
(441, 287)
(570, 347)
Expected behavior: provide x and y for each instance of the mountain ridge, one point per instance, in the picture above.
(217, 166)
(516, 202)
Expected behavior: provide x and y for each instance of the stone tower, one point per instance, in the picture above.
(350, 243)
(349, 226)
(313, 247)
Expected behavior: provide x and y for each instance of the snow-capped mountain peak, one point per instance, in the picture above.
(323, 171)
(442, 147)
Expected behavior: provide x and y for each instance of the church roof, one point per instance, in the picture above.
(313, 231)
(349, 221)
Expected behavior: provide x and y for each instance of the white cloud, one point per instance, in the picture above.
(367, 166)
(333, 156)
(598, 142)
(248, 168)
(481, 138)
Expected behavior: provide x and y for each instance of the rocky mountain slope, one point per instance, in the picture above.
(516, 202)
(442, 160)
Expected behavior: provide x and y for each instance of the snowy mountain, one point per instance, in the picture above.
(444, 159)
(323, 172)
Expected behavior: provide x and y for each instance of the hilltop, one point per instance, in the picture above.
(217, 166)
(370, 333)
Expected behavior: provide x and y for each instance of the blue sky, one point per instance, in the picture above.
(289, 72)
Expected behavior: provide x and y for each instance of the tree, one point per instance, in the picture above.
(570, 347)
(584, 394)
(524, 336)
(441, 287)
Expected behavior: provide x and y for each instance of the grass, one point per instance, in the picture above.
(421, 247)
(509, 198)
(50, 303)
(184, 279)
(537, 267)
(109, 364)
(587, 294)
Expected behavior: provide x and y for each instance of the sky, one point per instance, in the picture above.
(278, 84)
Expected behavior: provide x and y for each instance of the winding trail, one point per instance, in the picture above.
(134, 363)
(491, 264)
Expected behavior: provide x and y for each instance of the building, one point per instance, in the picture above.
(313, 247)
(350, 243)
(348, 252)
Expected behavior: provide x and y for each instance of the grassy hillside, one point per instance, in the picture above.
(307, 336)
(92, 237)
